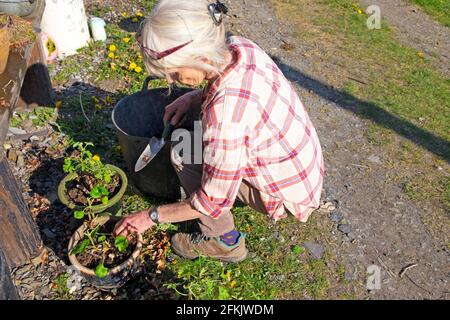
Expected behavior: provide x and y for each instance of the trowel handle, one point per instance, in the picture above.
(167, 131)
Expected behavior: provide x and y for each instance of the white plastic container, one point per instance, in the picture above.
(66, 24)
(98, 29)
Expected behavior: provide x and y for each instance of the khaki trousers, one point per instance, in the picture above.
(190, 176)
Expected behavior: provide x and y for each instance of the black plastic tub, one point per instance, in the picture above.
(137, 118)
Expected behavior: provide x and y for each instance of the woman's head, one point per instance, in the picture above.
(186, 24)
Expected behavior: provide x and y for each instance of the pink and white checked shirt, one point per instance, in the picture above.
(255, 128)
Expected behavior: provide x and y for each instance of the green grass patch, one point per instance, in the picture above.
(275, 269)
(423, 187)
(438, 9)
(60, 289)
(39, 116)
(446, 192)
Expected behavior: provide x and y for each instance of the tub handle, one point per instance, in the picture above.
(150, 78)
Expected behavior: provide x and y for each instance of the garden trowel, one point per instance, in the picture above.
(153, 147)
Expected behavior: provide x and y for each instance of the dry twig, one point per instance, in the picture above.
(403, 271)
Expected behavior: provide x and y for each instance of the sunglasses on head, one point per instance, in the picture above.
(155, 55)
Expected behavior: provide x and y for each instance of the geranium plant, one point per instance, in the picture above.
(98, 248)
(94, 181)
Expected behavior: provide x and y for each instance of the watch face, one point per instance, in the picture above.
(154, 216)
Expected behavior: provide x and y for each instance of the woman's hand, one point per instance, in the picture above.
(176, 111)
(137, 222)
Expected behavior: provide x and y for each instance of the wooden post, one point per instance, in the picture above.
(19, 235)
(7, 289)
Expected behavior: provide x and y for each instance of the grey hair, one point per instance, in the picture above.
(174, 22)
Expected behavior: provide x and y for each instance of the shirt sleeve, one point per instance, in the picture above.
(224, 158)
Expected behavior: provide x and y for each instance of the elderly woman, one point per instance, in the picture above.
(259, 144)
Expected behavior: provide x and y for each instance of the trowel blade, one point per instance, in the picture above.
(149, 153)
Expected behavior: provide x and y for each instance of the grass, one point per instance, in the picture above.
(117, 60)
(60, 287)
(395, 78)
(446, 191)
(274, 270)
(438, 9)
(40, 116)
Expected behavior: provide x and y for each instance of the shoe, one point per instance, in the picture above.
(191, 245)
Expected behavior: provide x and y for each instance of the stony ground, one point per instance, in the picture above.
(375, 222)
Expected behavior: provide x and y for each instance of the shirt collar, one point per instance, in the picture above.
(211, 90)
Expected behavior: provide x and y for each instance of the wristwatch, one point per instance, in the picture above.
(154, 215)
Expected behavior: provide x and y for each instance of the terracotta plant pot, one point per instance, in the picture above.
(4, 48)
(118, 275)
(113, 202)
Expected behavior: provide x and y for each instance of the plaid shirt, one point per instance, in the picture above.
(255, 128)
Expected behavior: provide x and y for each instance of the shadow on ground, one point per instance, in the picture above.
(370, 111)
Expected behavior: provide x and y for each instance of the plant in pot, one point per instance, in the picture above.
(104, 260)
(90, 186)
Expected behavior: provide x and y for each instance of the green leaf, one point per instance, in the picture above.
(78, 215)
(93, 232)
(77, 145)
(68, 166)
(101, 271)
(105, 200)
(95, 192)
(121, 243)
(166, 227)
(101, 239)
(81, 247)
(297, 249)
(103, 190)
(107, 178)
(98, 191)
(223, 294)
